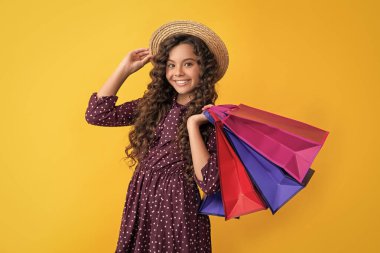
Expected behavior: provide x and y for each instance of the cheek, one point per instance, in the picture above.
(167, 75)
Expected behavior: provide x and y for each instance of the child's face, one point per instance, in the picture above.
(182, 71)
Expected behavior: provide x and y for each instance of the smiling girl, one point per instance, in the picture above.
(171, 140)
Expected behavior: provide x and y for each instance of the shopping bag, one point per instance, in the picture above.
(212, 204)
(290, 144)
(239, 195)
(274, 184)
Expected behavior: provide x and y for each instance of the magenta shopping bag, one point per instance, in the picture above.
(290, 144)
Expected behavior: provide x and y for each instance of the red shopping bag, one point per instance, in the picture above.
(239, 195)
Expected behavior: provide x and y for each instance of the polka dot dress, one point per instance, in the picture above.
(161, 208)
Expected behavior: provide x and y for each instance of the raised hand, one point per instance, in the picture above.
(135, 60)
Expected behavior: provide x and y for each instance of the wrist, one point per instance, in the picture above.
(122, 72)
(192, 122)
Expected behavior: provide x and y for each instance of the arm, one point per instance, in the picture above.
(113, 83)
(101, 109)
(132, 62)
(204, 156)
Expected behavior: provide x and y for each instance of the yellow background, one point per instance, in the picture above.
(63, 182)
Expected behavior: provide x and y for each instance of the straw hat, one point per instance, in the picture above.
(212, 40)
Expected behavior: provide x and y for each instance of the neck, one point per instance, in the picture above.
(183, 99)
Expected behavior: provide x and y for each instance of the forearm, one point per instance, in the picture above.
(199, 152)
(113, 83)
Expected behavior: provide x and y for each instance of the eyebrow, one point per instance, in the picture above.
(184, 59)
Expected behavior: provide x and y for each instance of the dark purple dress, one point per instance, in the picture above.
(161, 209)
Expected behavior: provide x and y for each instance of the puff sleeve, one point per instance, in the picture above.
(210, 171)
(102, 111)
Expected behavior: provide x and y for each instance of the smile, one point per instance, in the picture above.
(182, 82)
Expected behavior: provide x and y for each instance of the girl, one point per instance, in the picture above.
(171, 140)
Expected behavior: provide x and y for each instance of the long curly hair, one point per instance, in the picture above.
(158, 97)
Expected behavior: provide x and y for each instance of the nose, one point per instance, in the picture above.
(178, 71)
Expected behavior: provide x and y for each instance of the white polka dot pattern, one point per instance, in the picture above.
(103, 112)
(161, 208)
(210, 172)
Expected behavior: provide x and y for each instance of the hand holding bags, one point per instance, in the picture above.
(263, 142)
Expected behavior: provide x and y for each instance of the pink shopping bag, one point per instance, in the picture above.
(288, 143)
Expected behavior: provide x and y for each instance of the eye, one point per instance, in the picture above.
(169, 65)
(189, 64)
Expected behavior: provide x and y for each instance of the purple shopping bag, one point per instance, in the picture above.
(212, 204)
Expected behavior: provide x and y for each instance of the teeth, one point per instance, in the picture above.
(181, 82)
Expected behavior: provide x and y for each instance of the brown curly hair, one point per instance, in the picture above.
(158, 98)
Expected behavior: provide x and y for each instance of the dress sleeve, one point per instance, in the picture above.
(102, 111)
(210, 172)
